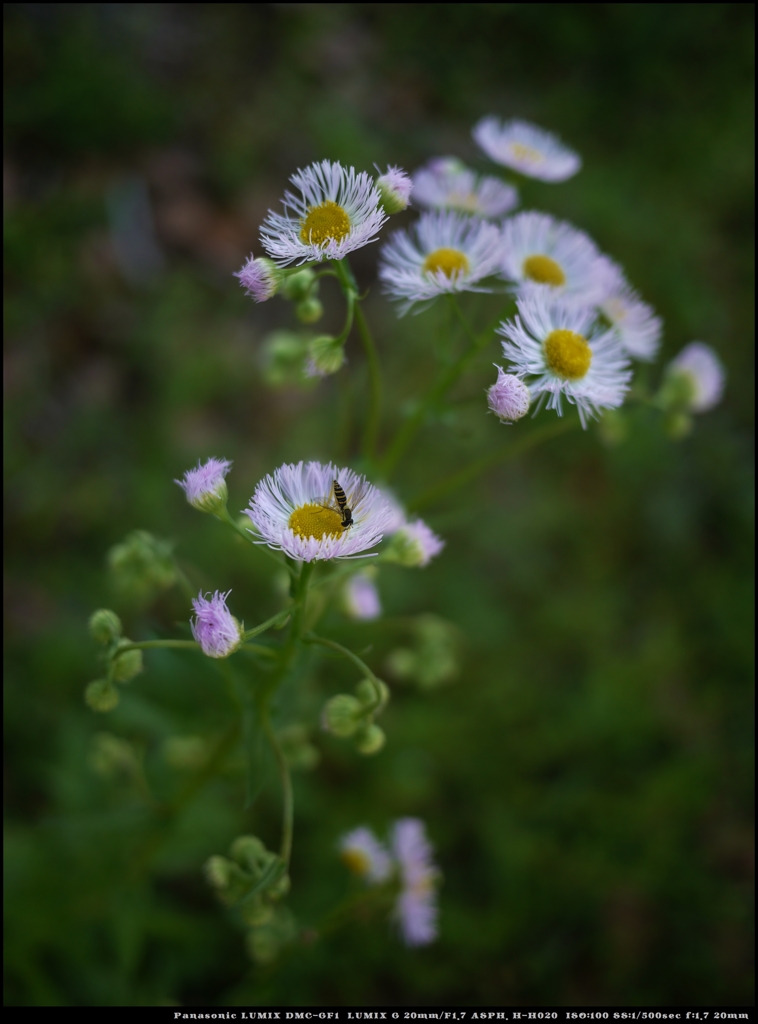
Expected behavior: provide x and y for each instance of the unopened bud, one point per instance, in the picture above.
(698, 375)
(141, 564)
(298, 751)
(309, 310)
(250, 853)
(413, 545)
(508, 397)
(342, 715)
(105, 626)
(205, 486)
(325, 356)
(394, 190)
(101, 695)
(402, 663)
(370, 739)
(218, 871)
(373, 694)
(282, 356)
(261, 278)
(110, 755)
(299, 286)
(127, 665)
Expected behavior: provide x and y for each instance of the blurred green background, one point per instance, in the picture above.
(587, 778)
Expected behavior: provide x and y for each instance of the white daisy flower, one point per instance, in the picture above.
(637, 325)
(338, 211)
(442, 252)
(704, 373)
(556, 345)
(527, 149)
(297, 509)
(416, 907)
(540, 252)
(445, 184)
(365, 856)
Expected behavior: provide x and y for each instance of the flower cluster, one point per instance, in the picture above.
(570, 326)
(409, 857)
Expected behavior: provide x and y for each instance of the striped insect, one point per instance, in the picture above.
(341, 498)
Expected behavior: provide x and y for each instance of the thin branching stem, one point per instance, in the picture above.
(311, 638)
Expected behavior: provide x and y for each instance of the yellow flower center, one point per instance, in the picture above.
(316, 521)
(356, 860)
(568, 355)
(543, 270)
(526, 153)
(451, 262)
(324, 223)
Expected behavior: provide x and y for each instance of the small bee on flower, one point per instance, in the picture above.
(292, 511)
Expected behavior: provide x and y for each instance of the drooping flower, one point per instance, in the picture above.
(704, 374)
(446, 184)
(365, 856)
(558, 348)
(395, 188)
(416, 908)
(361, 598)
(635, 321)
(214, 627)
(525, 148)
(261, 278)
(442, 252)
(295, 510)
(338, 210)
(545, 254)
(205, 485)
(508, 397)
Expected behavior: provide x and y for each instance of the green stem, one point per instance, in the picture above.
(311, 638)
(148, 644)
(350, 291)
(435, 394)
(298, 612)
(371, 426)
(349, 287)
(276, 620)
(470, 472)
(267, 652)
(288, 809)
(299, 596)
